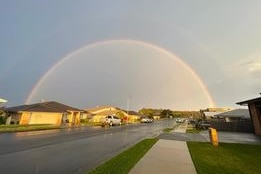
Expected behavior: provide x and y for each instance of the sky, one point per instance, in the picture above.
(180, 55)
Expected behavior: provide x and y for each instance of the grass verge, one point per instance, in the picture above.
(192, 131)
(168, 129)
(126, 160)
(24, 128)
(226, 158)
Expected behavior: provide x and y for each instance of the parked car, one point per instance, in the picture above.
(146, 120)
(180, 120)
(111, 120)
(203, 125)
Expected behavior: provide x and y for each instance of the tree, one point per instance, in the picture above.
(166, 113)
(120, 114)
(146, 112)
(2, 117)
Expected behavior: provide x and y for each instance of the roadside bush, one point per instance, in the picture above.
(2, 120)
(84, 120)
(2, 117)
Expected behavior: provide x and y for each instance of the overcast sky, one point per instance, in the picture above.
(124, 49)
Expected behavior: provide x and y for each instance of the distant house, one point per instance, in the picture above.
(234, 115)
(236, 120)
(210, 113)
(254, 106)
(101, 112)
(157, 115)
(85, 116)
(134, 116)
(44, 113)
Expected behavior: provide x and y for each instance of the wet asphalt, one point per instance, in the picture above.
(76, 150)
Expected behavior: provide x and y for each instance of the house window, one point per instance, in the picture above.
(65, 118)
(81, 116)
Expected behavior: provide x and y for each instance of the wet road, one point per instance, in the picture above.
(74, 150)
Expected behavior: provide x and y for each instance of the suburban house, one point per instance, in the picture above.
(85, 116)
(234, 115)
(44, 113)
(210, 113)
(254, 106)
(237, 120)
(101, 112)
(134, 116)
(157, 115)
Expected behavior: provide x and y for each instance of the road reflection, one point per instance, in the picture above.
(35, 133)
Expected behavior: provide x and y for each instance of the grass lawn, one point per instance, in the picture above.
(125, 161)
(23, 128)
(226, 158)
(166, 130)
(193, 131)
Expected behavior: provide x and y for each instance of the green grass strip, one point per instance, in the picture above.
(167, 130)
(226, 158)
(126, 160)
(24, 128)
(192, 131)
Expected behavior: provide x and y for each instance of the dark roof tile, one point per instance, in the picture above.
(43, 107)
(254, 100)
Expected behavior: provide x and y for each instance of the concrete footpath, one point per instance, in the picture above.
(166, 157)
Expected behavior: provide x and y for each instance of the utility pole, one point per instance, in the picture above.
(128, 105)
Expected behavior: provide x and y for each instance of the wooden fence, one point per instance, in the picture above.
(242, 126)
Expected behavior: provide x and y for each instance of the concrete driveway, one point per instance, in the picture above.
(203, 136)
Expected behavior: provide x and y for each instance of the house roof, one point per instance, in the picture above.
(235, 113)
(220, 109)
(100, 108)
(209, 114)
(254, 100)
(112, 112)
(51, 106)
(133, 113)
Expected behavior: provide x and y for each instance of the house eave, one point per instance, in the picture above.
(246, 102)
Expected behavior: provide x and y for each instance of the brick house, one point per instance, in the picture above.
(254, 106)
(44, 113)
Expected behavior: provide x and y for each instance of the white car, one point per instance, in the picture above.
(111, 120)
(180, 120)
(146, 120)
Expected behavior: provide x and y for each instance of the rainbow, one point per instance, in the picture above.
(137, 42)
